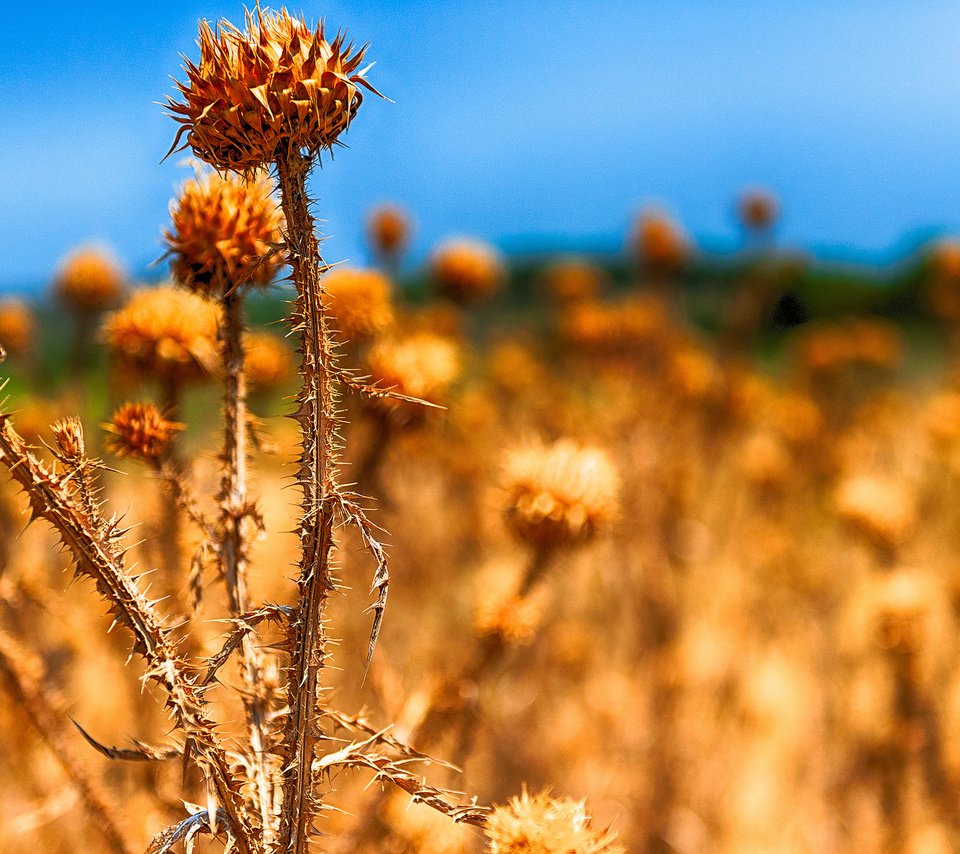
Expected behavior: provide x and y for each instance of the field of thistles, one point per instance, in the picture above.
(654, 551)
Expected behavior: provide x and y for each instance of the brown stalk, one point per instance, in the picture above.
(23, 675)
(317, 416)
(99, 554)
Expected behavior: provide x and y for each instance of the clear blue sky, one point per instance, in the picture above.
(526, 123)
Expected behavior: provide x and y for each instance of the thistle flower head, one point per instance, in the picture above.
(758, 209)
(658, 243)
(16, 326)
(501, 610)
(388, 230)
(278, 86)
(467, 270)
(221, 232)
(268, 361)
(541, 824)
(164, 332)
(68, 433)
(138, 430)
(559, 494)
(359, 301)
(421, 365)
(90, 280)
(573, 280)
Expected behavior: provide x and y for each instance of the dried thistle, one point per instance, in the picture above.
(466, 271)
(359, 303)
(90, 280)
(139, 431)
(268, 361)
(16, 326)
(388, 230)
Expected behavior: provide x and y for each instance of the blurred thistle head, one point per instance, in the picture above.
(903, 603)
(659, 244)
(16, 326)
(275, 88)
(388, 230)
(268, 361)
(560, 494)
(500, 609)
(466, 270)
(164, 332)
(90, 280)
(765, 462)
(541, 824)
(573, 280)
(421, 365)
(360, 302)
(881, 509)
(68, 434)
(758, 210)
(222, 230)
(635, 325)
(138, 430)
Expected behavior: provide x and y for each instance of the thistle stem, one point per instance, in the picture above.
(317, 416)
(233, 545)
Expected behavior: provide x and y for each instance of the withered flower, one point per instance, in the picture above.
(16, 326)
(138, 430)
(758, 210)
(388, 230)
(68, 433)
(359, 302)
(421, 366)
(267, 361)
(467, 270)
(90, 280)
(659, 243)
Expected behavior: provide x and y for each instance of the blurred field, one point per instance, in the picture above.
(751, 649)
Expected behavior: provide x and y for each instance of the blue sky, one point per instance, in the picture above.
(527, 123)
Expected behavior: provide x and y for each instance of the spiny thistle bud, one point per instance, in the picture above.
(544, 825)
(164, 332)
(16, 326)
(559, 494)
(388, 230)
(90, 280)
(277, 87)
(268, 361)
(138, 430)
(68, 433)
(359, 301)
(758, 210)
(573, 281)
(658, 243)
(880, 508)
(221, 233)
(467, 270)
(422, 366)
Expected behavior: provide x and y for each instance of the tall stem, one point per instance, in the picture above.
(317, 416)
(233, 546)
(171, 551)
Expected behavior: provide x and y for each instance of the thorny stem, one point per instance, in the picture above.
(233, 544)
(46, 713)
(317, 417)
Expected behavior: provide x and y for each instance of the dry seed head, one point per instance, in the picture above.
(68, 433)
(388, 230)
(268, 361)
(90, 280)
(758, 209)
(138, 430)
(164, 332)
(880, 508)
(659, 243)
(544, 825)
(500, 610)
(559, 494)
(221, 232)
(278, 87)
(573, 280)
(359, 301)
(16, 326)
(467, 270)
(422, 366)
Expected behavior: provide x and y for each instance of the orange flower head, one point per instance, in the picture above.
(388, 230)
(138, 430)
(359, 301)
(421, 365)
(164, 332)
(501, 610)
(659, 243)
(268, 361)
(16, 326)
(467, 270)
(276, 88)
(758, 210)
(541, 824)
(90, 280)
(559, 494)
(222, 228)
(573, 281)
